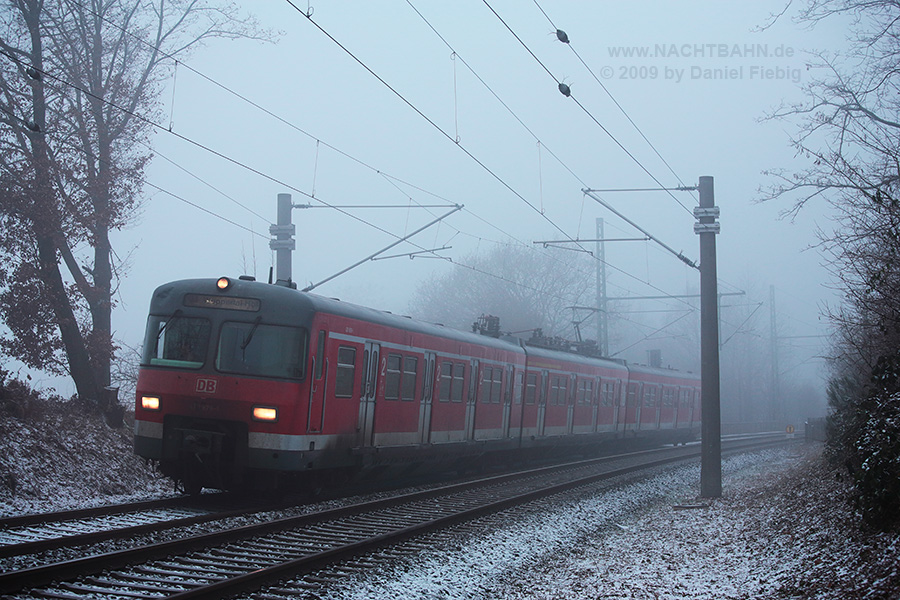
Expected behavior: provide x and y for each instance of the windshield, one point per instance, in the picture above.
(176, 341)
(264, 350)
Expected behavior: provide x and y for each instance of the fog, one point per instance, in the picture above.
(396, 117)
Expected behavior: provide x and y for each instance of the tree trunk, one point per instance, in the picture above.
(47, 224)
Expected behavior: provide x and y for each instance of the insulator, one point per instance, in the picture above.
(565, 90)
(561, 36)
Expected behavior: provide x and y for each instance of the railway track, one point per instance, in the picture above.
(223, 563)
(29, 534)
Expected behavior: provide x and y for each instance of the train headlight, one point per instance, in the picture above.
(265, 413)
(149, 402)
(223, 283)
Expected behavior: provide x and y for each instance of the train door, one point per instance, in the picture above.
(633, 402)
(542, 402)
(315, 416)
(660, 402)
(368, 392)
(427, 399)
(570, 404)
(507, 399)
(471, 405)
(615, 394)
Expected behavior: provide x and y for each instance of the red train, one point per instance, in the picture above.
(243, 383)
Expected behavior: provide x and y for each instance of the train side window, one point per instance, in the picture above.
(496, 385)
(485, 392)
(631, 397)
(553, 395)
(588, 394)
(446, 381)
(668, 396)
(530, 388)
(346, 372)
(458, 385)
(408, 382)
(520, 384)
(650, 396)
(608, 394)
(320, 355)
(392, 377)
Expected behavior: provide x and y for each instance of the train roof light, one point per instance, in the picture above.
(223, 283)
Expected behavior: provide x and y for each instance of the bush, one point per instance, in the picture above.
(864, 435)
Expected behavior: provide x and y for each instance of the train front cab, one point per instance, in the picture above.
(223, 369)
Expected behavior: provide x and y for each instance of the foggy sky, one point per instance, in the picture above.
(700, 126)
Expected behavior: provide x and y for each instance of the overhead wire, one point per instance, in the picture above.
(318, 141)
(259, 173)
(388, 177)
(201, 146)
(427, 119)
(457, 56)
(599, 81)
(566, 91)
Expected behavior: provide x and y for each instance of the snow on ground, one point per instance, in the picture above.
(60, 455)
(779, 531)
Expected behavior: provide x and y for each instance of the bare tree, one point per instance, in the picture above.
(80, 87)
(849, 134)
(525, 287)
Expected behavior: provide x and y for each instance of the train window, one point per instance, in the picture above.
(491, 384)
(553, 396)
(176, 341)
(631, 398)
(530, 388)
(486, 377)
(563, 390)
(410, 372)
(496, 385)
(263, 350)
(650, 396)
(346, 370)
(392, 379)
(446, 380)
(459, 375)
(320, 355)
(609, 393)
(668, 396)
(585, 391)
(520, 382)
(365, 370)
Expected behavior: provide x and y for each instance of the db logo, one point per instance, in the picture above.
(206, 386)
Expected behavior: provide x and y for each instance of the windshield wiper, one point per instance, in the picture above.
(175, 316)
(250, 335)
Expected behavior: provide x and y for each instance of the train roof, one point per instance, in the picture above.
(281, 298)
(168, 297)
(573, 357)
(662, 371)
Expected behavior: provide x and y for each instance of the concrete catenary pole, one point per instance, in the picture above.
(711, 426)
(602, 315)
(283, 242)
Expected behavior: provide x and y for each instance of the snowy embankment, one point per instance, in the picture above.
(781, 530)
